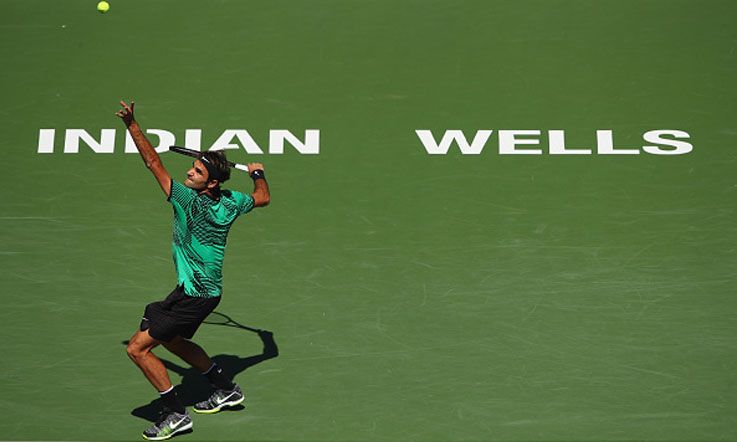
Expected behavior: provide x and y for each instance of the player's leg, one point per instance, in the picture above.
(196, 356)
(174, 419)
(190, 353)
(156, 328)
(139, 350)
(226, 394)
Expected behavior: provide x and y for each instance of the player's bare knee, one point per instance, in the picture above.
(132, 351)
(135, 350)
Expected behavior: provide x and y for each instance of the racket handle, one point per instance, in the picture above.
(242, 167)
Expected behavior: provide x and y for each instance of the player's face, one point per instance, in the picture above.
(196, 176)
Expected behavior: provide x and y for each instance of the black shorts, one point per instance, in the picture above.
(177, 315)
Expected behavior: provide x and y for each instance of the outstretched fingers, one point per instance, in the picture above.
(126, 113)
(127, 108)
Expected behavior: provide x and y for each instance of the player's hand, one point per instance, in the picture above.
(126, 114)
(254, 166)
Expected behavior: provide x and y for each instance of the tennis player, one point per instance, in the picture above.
(203, 214)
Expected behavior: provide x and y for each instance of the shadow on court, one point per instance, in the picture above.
(194, 386)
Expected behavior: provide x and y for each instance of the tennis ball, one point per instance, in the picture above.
(103, 7)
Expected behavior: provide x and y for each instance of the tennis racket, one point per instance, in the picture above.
(217, 318)
(198, 154)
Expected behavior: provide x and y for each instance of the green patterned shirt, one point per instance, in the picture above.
(201, 227)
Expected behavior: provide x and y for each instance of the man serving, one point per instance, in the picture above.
(203, 215)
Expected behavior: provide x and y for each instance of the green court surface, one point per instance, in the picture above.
(413, 297)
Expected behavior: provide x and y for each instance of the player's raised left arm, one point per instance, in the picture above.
(260, 194)
(147, 151)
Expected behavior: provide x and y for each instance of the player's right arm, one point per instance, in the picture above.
(147, 151)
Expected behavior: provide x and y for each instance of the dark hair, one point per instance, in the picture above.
(218, 162)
